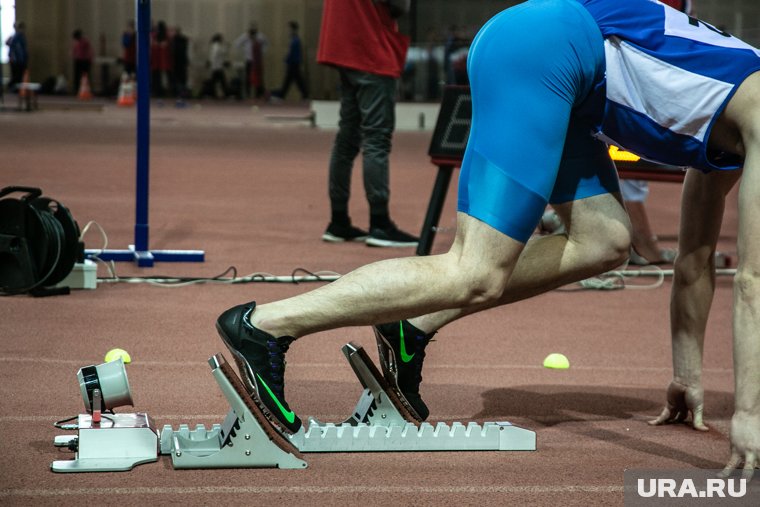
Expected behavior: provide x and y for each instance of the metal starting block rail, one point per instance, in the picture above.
(380, 422)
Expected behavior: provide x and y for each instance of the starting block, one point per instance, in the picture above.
(380, 422)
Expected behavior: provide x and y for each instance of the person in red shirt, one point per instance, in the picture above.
(360, 39)
(81, 53)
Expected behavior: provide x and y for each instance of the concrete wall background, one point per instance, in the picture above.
(50, 23)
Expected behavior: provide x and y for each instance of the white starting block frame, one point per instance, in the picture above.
(380, 423)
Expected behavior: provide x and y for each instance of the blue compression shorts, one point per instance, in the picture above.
(530, 67)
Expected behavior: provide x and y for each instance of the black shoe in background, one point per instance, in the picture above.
(391, 236)
(339, 233)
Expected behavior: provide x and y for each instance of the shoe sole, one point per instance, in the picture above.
(247, 377)
(390, 244)
(330, 238)
(388, 356)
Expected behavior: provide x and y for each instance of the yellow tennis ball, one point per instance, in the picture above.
(556, 362)
(115, 354)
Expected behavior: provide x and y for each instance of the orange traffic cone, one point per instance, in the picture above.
(126, 96)
(84, 88)
(22, 88)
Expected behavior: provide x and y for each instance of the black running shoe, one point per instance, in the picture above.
(402, 351)
(391, 236)
(339, 233)
(260, 357)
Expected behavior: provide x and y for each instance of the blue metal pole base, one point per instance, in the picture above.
(146, 258)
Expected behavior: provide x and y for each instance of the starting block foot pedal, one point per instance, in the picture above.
(245, 438)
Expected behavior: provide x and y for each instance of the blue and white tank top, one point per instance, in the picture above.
(668, 78)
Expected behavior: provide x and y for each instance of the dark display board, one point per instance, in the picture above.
(453, 129)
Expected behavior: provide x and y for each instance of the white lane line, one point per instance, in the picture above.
(431, 366)
(324, 490)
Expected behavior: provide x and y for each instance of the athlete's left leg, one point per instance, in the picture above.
(597, 237)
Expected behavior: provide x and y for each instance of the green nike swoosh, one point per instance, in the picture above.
(289, 415)
(404, 356)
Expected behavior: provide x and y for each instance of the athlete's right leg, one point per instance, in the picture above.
(393, 289)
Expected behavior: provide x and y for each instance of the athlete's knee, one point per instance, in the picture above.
(476, 282)
(689, 267)
(616, 243)
(606, 242)
(485, 288)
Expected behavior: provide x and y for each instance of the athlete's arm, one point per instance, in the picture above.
(703, 201)
(743, 114)
(745, 424)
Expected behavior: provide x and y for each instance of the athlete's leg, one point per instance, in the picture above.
(597, 235)
(472, 274)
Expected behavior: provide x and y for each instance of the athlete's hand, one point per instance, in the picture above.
(683, 399)
(745, 444)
